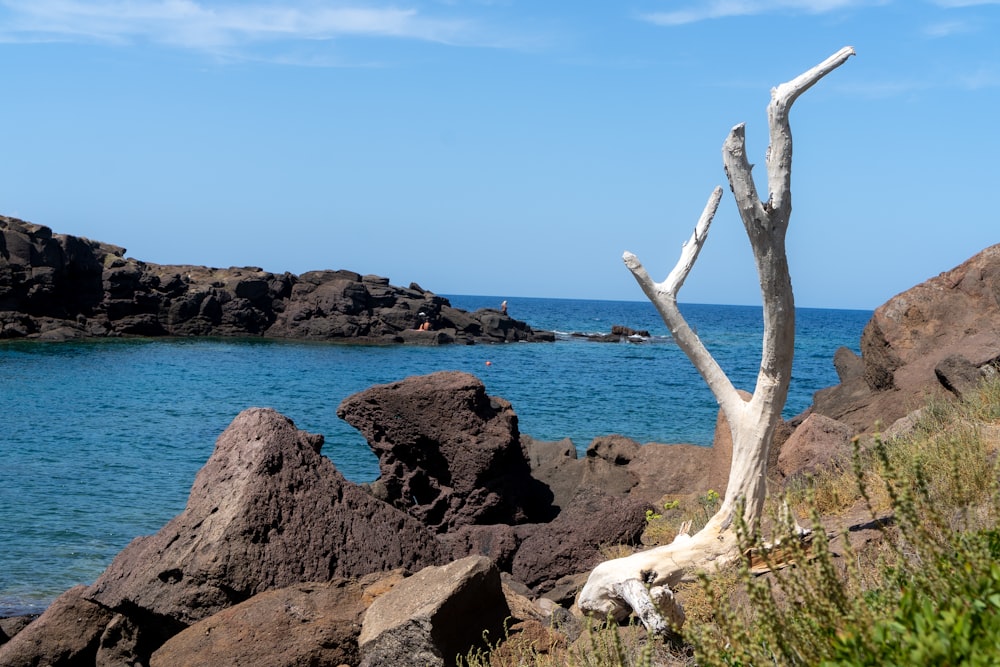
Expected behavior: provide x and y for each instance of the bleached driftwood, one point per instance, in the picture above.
(633, 583)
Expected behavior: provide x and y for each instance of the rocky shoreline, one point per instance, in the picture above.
(58, 287)
(277, 559)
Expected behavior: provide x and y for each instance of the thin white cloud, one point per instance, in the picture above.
(952, 4)
(984, 77)
(949, 28)
(221, 26)
(717, 9)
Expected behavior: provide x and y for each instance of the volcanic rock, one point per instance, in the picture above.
(434, 616)
(572, 542)
(56, 286)
(958, 375)
(266, 511)
(498, 542)
(818, 443)
(448, 454)
(909, 345)
(303, 624)
(618, 465)
(66, 634)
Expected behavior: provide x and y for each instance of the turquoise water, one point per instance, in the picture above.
(101, 439)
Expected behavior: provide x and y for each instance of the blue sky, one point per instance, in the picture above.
(507, 148)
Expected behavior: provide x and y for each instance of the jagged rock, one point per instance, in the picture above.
(958, 375)
(556, 465)
(608, 467)
(266, 511)
(572, 542)
(849, 366)
(303, 624)
(448, 454)
(11, 625)
(908, 338)
(817, 443)
(683, 469)
(434, 616)
(65, 635)
(618, 465)
(56, 286)
(123, 642)
(615, 449)
(618, 334)
(498, 542)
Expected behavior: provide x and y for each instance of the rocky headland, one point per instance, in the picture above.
(58, 287)
(279, 560)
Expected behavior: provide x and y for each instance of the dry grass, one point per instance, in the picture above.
(951, 455)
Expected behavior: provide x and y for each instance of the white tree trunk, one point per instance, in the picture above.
(611, 587)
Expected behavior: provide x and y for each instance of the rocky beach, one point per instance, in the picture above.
(471, 526)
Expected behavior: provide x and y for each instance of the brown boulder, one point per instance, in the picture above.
(11, 625)
(958, 375)
(67, 634)
(448, 454)
(303, 624)
(434, 616)
(266, 511)
(615, 449)
(572, 542)
(682, 469)
(817, 443)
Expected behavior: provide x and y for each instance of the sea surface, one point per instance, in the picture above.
(100, 440)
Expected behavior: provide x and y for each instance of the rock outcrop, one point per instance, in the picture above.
(449, 454)
(618, 465)
(933, 340)
(266, 511)
(57, 286)
(819, 442)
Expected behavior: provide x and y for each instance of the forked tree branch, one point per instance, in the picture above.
(636, 582)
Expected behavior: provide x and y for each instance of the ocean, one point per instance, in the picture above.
(101, 439)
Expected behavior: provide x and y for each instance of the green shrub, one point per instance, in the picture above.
(930, 595)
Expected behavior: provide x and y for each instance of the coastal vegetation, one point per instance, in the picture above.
(902, 565)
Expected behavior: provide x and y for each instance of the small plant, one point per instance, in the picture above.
(928, 593)
(669, 505)
(602, 644)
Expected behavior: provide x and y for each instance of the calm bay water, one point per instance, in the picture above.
(101, 439)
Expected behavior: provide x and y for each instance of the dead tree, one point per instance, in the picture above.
(641, 582)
